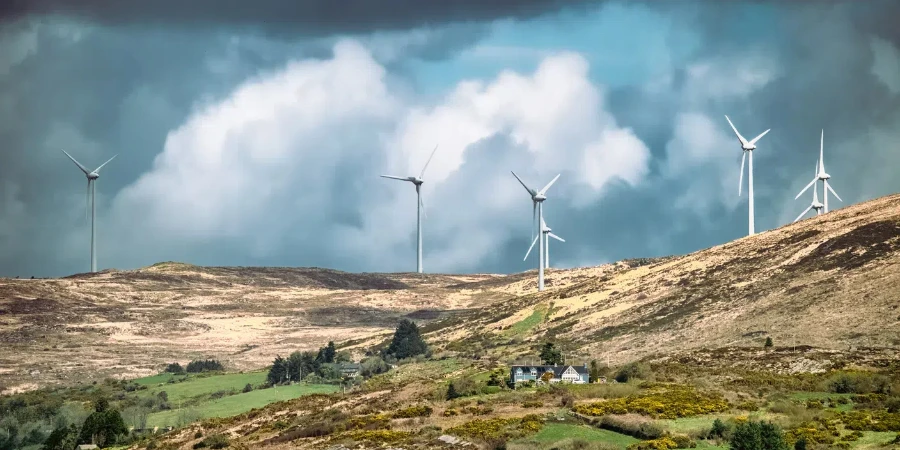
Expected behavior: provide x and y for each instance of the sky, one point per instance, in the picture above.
(254, 133)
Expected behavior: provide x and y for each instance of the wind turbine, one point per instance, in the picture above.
(816, 205)
(420, 209)
(547, 234)
(92, 176)
(537, 201)
(747, 148)
(821, 175)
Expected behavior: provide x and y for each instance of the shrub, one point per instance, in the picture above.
(632, 425)
(719, 429)
(247, 388)
(215, 441)
(532, 404)
(206, 365)
(768, 343)
(663, 443)
(567, 400)
(498, 427)
(371, 422)
(381, 437)
(174, 368)
(413, 411)
(800, 444)
(631, 371)
(858, 383)
(660, 402)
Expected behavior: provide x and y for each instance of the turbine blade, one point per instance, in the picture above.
(741, 138)
(806, 188)
(83, 169)
(422, 176)
(107, 162)
(395, 178)
(802, 214)
(532, 246)
(422, 204)
(741, 178)
(753, 142)
(544, 190)
(832, 191)
(556, 237)
(530, 191)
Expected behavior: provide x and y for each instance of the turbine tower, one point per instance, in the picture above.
(547, 234)
(816, 205)
(420, 209)
(821, 175)
(92, 176)
(537, 212)
(747, 148)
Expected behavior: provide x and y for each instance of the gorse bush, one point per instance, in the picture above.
(215, 441)
(663, 443)
(858, 383)
(874, 420)
(499, 427)
(660, 402)
(413, 411)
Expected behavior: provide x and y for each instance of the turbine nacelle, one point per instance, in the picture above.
(823, 176)
(93, 176)
(538, 197)
(748, 147)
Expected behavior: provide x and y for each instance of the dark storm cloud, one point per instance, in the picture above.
(305, 17)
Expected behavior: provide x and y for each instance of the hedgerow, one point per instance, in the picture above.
(660, 402)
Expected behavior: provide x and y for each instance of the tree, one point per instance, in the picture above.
(631, 371)
(800, 444)
(768, 342)
(757, 436)
(496, 377)
(407, 341)
(102, 428)
(550, 354)
(247, 388)
(451, 392)
(174, 368)
(372, 366)
(136, 416)
(278, 371)
(594, 374)
(546, 377)
(326, 354)
(718, 429)
(62, 438)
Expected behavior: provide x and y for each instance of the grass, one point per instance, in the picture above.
(873, 439)
(236, 404)
(804, 396)
(685, 425)
(526, 324)
(554, 432)
(198, 386)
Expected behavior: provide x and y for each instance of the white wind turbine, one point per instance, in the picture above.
(747, 148)
(821, 175)
(92, 176)
(816, 205)
(420, 209)
(547, 233)
(537, 201)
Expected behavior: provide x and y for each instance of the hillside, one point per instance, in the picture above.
(126, 324)
(831, 282)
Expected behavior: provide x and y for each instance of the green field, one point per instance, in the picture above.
(198, 385)
(555, 432)
(873, 439)
(236, 404)
(527, 323)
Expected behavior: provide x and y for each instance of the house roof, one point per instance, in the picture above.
(557, 370)
(350, 366)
